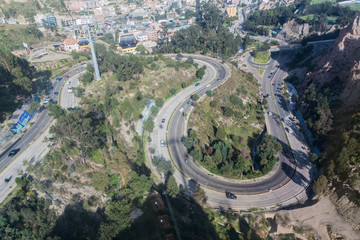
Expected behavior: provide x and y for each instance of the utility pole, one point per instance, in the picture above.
(96, 67)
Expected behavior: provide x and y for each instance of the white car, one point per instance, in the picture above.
(181, 109)
(69, 89)
(162, 143)
(270, 113)
(68, 82)
(208, 85)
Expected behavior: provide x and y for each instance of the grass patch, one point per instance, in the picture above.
(13, 36)
(262, 57)
(321, 1)
(355, 7)
(310, 17)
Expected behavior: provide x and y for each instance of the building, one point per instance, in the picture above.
(149, 45)
(78, 5)
(152, 35)
(13, 21)
(142, 37)
(71, 45)
(231, 11)
(45, 20)
(127, 42)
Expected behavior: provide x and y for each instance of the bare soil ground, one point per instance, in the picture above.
(320, 217)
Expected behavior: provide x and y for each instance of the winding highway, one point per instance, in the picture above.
(292, 177)
(31, 144)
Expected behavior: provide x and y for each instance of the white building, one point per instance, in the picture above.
(142, 37)
(71, 45)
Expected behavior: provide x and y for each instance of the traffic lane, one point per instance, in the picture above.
(42, 121)
(167, 110)
(26, 139)
(178, 152)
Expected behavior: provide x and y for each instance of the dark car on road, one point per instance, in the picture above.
(197, 84)
(163, 120)
(14, 152)
(56, 93)
(230, 195)
(58, 79)
(8, 179)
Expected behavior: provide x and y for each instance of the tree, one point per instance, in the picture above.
(242, 165)
(220, 133)
(200, 73)
(172, 187)
(210, 93)
(196, 154)
(79, 129)
(33, 106)
(320, 185)
(55, 110)
(213, 104)
(217, 157)
(154, 110)
(227, 111)
(90, 68)
(117, 219)
(200, 195)
(189, 143)
(149, 125)
(159, 102)
(87, 78)
(179, 56)
(190, 60)
(195, 97)
(192, 134)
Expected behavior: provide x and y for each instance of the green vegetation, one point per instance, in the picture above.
(209, 35)
(266, 153)
(13, 36)
(16, 83)
(223, 128)
(317, 15)
(355, 7)
(262, 57)
(26, 216)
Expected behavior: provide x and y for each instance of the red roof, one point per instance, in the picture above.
(70, 41)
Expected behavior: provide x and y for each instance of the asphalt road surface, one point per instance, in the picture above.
(32, 145)
(283, 187)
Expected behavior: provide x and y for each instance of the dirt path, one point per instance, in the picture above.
(319, 216)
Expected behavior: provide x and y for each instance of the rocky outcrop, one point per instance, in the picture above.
(293, 32)
(345, 207)
(340, 65)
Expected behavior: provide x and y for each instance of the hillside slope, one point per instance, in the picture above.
(340, 65)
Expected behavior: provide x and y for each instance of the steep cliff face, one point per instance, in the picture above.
(340, 65)
(294, 32)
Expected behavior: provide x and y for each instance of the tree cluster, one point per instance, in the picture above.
(267, 151)
(260, 20)
(220, 156)
(26, 216)
(15, 81)
(208, 35)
